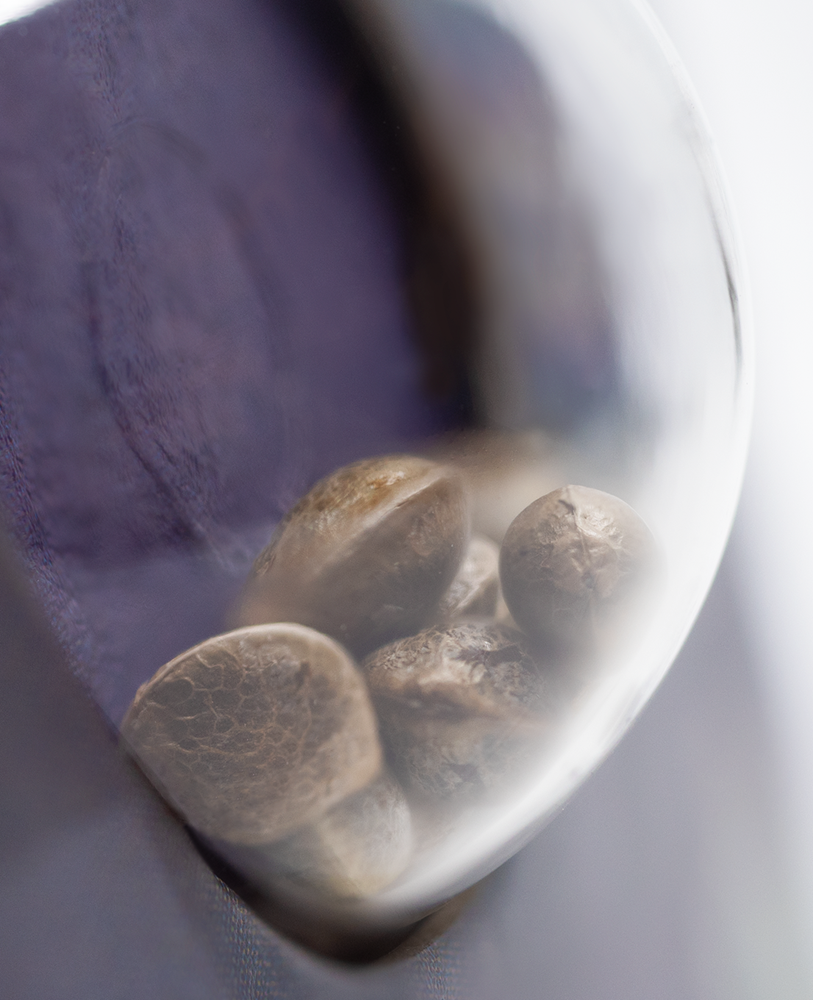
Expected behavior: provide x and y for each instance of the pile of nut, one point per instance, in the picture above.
(386, 658)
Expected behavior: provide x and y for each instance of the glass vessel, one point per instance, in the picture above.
(617, 345)
(582, 321)
(613, 352)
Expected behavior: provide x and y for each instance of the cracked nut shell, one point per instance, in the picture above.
(256, 732)
(366, 555)
(460, 705)
(571, 562)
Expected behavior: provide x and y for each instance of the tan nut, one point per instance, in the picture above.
(356, 849)
(365, 556)
(460, 705)
(257, 732)
(475, 590)
(571, 565)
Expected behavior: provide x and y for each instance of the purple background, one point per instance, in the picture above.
(202, 310)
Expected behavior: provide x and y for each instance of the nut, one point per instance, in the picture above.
(356, 849)
(257, 732)
(476, 588)
(571, 564)
(366, 555)
(460, 705)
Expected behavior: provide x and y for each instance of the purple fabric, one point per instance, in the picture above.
(202, 310)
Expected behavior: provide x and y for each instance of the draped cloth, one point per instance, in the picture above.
(201, 259)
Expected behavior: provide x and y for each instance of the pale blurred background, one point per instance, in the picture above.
(750, 64)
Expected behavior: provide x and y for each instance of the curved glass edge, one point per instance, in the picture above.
(614, 705)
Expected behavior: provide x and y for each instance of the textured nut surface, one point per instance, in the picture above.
(366, 555)
(569, 563)
(356, 849)
(257, 732)
(458, 705)
(476, 588)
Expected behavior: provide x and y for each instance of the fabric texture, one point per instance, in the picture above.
(203, 310)
(200, 263)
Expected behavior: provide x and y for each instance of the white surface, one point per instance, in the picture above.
(750, 63)
(10, 10)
